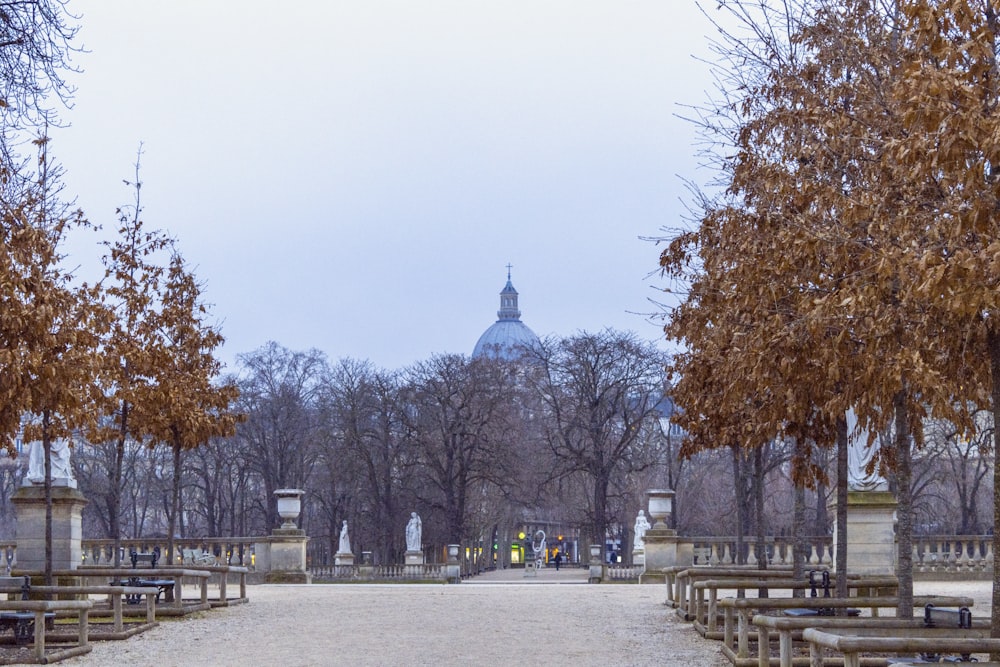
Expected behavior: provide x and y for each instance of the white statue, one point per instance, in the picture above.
(62, 471)
(859, 453)
(538, 546)
(641, 526)
(414, 530)
(345, 540)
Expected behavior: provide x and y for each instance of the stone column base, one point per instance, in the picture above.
(67, 529)
(662, 550)
(414, 558)
(343, 558)
(871, 535)
(282, 557)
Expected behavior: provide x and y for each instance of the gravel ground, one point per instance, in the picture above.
(500, 618)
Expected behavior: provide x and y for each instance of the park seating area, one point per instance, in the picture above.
(768, 618)
(107, 603)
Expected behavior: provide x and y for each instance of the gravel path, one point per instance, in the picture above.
(499, 618)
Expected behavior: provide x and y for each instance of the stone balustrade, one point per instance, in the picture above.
(934, 557)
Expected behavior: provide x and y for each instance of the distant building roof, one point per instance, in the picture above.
(508, 337)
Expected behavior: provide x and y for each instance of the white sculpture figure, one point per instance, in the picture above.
(538, 546)
(414, 529)
(859, 453)
(62, 471)
(641, 526)
(345, 540)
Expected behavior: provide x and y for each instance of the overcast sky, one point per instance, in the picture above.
(354, 176)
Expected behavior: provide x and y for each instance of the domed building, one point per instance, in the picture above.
(508, 337)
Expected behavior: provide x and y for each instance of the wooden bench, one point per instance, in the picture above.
(790, 629)
(738, 613)
(40, 608)
(681, 584)
(709, 626)
(174, 576)
(852, 646)
(165, 587)
(21, 622)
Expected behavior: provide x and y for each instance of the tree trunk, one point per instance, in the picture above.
(47, 451)
(114, 506)
(840, 558)
(175, 501)
(741, 511)
(904, 493)
(993, 342)
(799, 546)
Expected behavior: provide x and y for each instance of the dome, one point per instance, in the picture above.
(508, 336)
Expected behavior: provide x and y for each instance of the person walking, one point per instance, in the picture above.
(558, 560)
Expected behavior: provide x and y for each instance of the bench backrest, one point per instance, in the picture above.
(950, 618)
(23, 582)
(151, 558)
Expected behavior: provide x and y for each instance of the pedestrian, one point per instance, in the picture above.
(558, 560)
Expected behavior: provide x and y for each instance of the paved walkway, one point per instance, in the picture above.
(500, 618)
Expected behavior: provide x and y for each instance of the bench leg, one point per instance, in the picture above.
(815, 655)
(727, 626)
(22, 631)
(763, 647)
(116, 609)
(743, 641)
(83, 632)
(713, 610)
(785, 653)
(40, 635)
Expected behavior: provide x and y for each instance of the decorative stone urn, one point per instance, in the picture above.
(661, 504)
(289, 506)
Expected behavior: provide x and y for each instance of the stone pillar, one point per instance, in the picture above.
(453, 569)
(662, 547)
(596, 564)
(871, 535)
(67, 529)
(284, 557)
(285, 548)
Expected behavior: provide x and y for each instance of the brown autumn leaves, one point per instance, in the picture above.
(854, 259)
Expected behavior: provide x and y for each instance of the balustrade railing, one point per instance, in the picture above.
(722, 551)
(224, 550)
(943, 556)
(424, 572)
(935, 556)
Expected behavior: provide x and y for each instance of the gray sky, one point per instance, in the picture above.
(354, 176)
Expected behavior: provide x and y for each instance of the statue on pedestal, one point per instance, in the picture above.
(859, 453)
(345, 540)
(640, 528)
(59, 453)
(414, 531)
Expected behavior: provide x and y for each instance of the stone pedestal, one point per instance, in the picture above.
(341, 558)
(414, 558)
(639, 557)
(663, 549)
(67, 530)
(871, 536)
(282, 557)
(453, 568)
